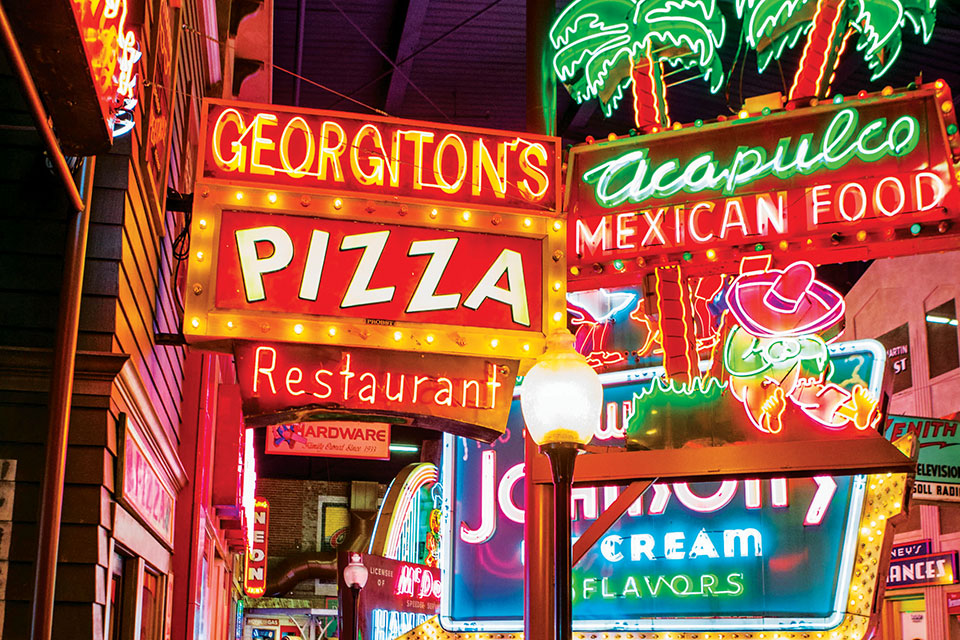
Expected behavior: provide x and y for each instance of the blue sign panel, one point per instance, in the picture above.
(923, 571)
(736, 554)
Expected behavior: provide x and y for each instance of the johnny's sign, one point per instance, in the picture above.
(288, 384)
(840, 177)
(343, 153)
(746, 556)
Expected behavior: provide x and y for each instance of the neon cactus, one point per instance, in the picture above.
(771, 26)
(603, 47)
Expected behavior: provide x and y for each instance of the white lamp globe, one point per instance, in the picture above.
(355, 574)
(561, 396)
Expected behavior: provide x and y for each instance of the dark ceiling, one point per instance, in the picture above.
(463, 61)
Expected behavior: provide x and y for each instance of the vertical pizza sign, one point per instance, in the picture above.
(255, 575)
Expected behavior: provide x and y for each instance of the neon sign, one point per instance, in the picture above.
(308, 149)
(855, 175)
(255, 571)
(286, 384)
(686, 557)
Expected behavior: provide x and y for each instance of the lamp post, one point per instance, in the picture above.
(355, 577)
(561, 399)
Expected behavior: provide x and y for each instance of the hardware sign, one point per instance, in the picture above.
(849, 177)
(366, 440)
(345, 153)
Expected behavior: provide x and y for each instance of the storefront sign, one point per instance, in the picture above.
(953, 603)
(255, 571)
(366, 440)
(910, 549)
(849, 177)
(324, 227)
(142, 488)
(286, 383)
(398, 596)
(691, 557)
(938, 469)
(348, 154)
(923, 571)
(897, 344)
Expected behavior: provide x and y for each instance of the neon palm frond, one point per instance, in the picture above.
(880, 23)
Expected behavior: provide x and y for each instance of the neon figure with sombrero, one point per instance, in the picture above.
(776, 352)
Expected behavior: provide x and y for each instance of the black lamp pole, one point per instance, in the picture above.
(355, 592)
(563, 458)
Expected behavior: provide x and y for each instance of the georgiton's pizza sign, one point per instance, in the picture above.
(744, 555)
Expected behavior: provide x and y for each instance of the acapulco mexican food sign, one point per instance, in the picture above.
(853, 179)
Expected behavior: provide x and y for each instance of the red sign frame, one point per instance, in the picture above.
(293, 148)
(289, 383)
(255, 567)
(142, 487)
(876, 180)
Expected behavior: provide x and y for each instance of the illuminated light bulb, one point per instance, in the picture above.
(466, 216)
(744, 114)
(886, 91)
(838, 99)
(558, 316)
(557, 225)
(790, 106)
(915, 229)
(946, 106)
(765, 111)
(195, 323)
(298, 328)
(338, 204)
(229, 324)
(758, 247)
(861, 235)
(862, 94)
(430, 338)
(784, 245)
(272, 197)
(239, 195)
(654, 129)
(939, 84)
(687, 256)
(397, 335)
(711, 254)
(611, 136)
(494, 343)
(199, 256)
(698, 123)
(332, 331)
(574, 271)
(526, 346)
(202, 223)
(434, 213)
(618, 265)
(632, 132)
(557, 285)
(951, 129)
(677, 125)
(721, 118)
(590, 139)
(527, 222)
(814, 102)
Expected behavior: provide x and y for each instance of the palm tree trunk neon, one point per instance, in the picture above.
(821, 51)
(649, 94)
(676, 325)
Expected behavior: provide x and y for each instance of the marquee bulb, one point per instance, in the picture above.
(332, 331)
(338, 203)
(397, 335)
(272, 197)
(196, 323)
(202, 223)
(239, 195)
(298, 328)
(527, 222)
(466, 216)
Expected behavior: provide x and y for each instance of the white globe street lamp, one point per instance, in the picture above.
(355, 576)
(561, 398)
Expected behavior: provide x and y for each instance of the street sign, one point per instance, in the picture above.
(720, 555)
(849, 179)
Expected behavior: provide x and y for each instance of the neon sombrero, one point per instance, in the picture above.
(780, 303)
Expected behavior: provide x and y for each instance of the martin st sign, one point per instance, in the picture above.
(323, 227)
(849, 178)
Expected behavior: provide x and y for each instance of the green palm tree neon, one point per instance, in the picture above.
(772, 26)
(602, 47)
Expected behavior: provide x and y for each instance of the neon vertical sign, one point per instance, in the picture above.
(255, 571)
